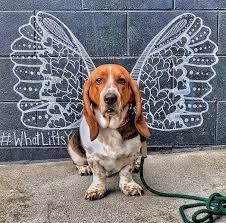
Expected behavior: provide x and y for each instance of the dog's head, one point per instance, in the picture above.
(110, 88)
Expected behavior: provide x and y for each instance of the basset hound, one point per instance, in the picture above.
(112, 131)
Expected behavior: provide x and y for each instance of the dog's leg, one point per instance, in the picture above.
(126, 183)
(136, 167)
(80, 162)
(143, 152)
(84, 170)
(97, 189)
(78, 157)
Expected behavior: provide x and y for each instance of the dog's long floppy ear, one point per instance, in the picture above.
(139, 120)
(88, 113)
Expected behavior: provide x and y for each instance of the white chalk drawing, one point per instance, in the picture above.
(50, 81)
(173, 73)
(20, 138)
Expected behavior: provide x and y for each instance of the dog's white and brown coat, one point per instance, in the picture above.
(111, 135)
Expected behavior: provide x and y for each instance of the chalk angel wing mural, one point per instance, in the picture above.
(173, 74)
(51, 72)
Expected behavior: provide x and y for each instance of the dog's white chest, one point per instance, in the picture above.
(113, 145)
(110, 150)
(116, 153)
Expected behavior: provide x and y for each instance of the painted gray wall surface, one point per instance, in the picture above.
(113, 31)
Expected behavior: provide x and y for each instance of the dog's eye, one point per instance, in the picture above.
(121, 81)
(99, 80)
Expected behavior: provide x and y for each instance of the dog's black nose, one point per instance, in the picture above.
(110, 98)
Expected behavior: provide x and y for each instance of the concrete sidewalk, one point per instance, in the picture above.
(53, 192)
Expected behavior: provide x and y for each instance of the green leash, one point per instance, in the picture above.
(214, 205)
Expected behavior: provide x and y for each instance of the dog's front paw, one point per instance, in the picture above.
(94, 193)
(131, 188)
(84, 170)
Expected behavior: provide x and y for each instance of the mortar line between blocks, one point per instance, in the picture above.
(173, 4)
(127, 34)
(216, 121)
(124, 10)
(82, 5)
(218, 25)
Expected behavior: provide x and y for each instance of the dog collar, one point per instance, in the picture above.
(125, 121)
(127, 129)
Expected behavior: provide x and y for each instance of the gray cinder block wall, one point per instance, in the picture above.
(114, 31)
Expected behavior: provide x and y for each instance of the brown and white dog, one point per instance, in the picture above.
(112, 131)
